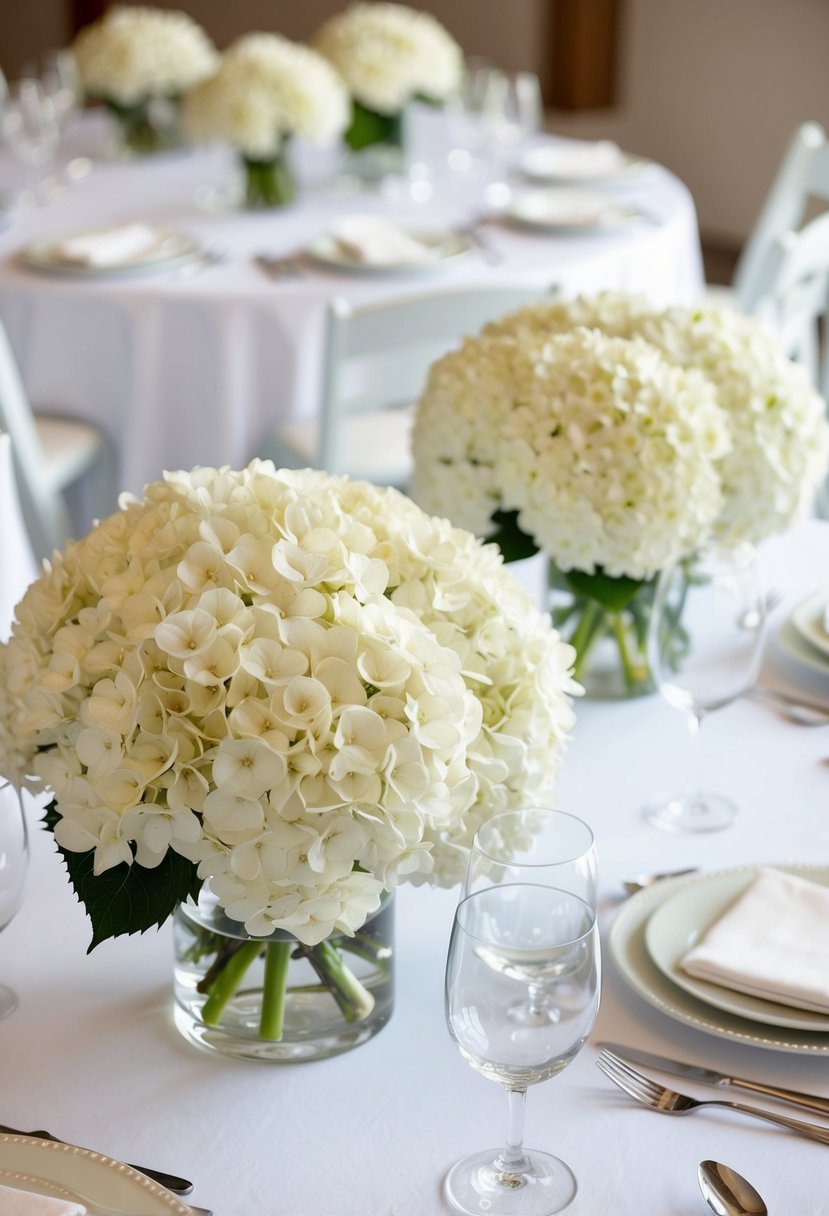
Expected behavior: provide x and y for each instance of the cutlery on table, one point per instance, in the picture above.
(204, 260)
(806, 713)
(640, 881)
(728, 1193)
(180, 1186)
(670, 1102)
(487, 250)
(708, 1076)
(287, 267)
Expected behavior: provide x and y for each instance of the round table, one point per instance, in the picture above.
(188, 368)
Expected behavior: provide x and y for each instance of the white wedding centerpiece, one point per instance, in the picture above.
(139, 61)
(617, 438)
(266, 91)
(293, 689)
(388, 55)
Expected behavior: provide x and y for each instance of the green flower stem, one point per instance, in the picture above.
(368, 127)
(354, 1000)
(633, 672)
(586, 633)
(277, 961)
(227, 980)
(269, 183)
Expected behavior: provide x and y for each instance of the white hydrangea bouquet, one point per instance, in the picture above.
(266, 91)
(388, 55)
(294, 689)
(617, 438)
(139, 61)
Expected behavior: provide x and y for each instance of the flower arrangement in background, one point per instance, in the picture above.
(139, 61)
(388, 55)
(617, 438)
(293, 688)
(266, 91)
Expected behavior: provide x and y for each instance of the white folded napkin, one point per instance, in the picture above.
(376, 242)
(25, 1203)
(568, 208)
(582, 158)
(109, 246)
(772, 943)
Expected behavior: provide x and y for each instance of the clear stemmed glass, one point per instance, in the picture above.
(512, 112)
(14, 862)
(464, 113)
(704, 646)
(31, 131)
(507, 943)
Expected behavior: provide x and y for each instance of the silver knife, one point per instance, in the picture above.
(707, 1076)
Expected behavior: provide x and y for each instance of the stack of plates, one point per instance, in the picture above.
(656, 928)
(805, 636)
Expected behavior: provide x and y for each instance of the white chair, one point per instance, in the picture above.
(376, 362)
(52, 455)
(803, 175)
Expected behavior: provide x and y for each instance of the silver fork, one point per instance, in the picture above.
(287, 267)
(658, 1097)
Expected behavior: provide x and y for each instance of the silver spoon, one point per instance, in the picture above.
(728, 1193)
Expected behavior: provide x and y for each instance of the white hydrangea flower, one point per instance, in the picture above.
(266, 89)
(335, 690)
(132, 54)
(389, 53)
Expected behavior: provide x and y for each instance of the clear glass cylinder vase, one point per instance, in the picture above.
(273, 999)
(610, 639)
(146, 127)
(374, 146)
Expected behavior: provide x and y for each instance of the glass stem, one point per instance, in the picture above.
(694, 727)
(512, 1160)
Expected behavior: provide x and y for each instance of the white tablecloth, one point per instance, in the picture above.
(92, 1053)
(185, 371)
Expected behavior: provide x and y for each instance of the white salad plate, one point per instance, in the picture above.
(796, 647)
(558, 164)
(63, 1171)
(169, 249)
(679, 924)
(629, 950)
(444, 249)
(809, 619)
(570, 211)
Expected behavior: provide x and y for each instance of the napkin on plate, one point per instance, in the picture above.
(108, 246)
(376, 242)
(772, 943)
(583, 158)
(567, 208)
(25, 1203)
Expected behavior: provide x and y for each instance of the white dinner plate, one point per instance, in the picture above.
(549, 163)
(628, 949)
(681, 921)
(63, 1171)
(570, 211)
(170, 249)
(808, 619)
(445, 248)
(794, 644)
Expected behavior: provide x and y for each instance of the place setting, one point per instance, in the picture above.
(598, 164)
(126, 249)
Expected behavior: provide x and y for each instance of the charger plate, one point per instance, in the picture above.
(680, 922)
(104, 1186)
(629, 951)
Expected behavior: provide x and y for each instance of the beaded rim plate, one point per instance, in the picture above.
(169, 250)
(445, 248)
(63, 1171)
(628, 948)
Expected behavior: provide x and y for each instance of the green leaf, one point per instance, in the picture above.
(614, 594)
(510, 539)
(128, 898)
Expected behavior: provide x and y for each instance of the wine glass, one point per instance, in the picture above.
(14, 861)
(31, 130)
(704, 646)
(511, 942)
(464, 111)
(512, 112)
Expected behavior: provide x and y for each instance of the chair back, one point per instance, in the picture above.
(793, 296)
(803, 175)
(379, 356)
(44, 512)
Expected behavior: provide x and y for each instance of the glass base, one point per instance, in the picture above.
(692, 813)
(8, 1001)
(475, 1186)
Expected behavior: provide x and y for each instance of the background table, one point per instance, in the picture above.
(195, 370)
(92, 1053)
